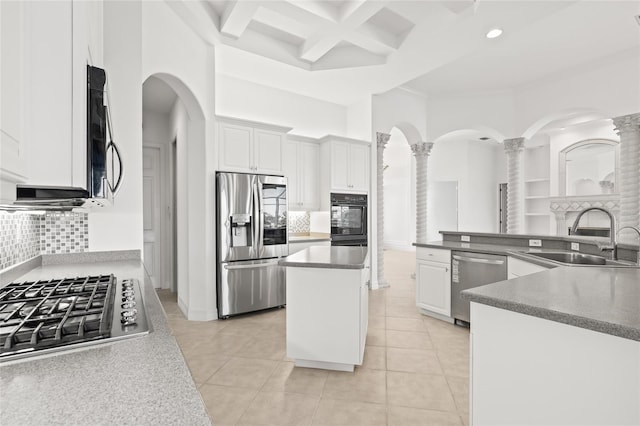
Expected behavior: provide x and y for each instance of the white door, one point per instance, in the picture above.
(434, 287)
(359, 167)
(268, 151)
(290, 164)
(151, 213)
(235, 148)
(340, 165)
(310, 176)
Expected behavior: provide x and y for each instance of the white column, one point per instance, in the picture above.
(628, 127)
(381, 139)
(515, 185)
(421, 151)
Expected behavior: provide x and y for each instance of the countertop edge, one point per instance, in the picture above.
(573, 320)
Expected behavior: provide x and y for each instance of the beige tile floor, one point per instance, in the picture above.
(415, 370)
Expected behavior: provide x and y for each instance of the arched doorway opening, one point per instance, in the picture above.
(175, 205)
(399, 193)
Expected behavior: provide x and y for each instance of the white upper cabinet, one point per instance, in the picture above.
(346, 163)
(60, 40)
(13, 153)
(302, 168)
(250, 147)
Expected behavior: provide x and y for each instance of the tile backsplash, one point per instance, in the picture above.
(299, 222)
(64, 233)
(24, 236)
(19, 238)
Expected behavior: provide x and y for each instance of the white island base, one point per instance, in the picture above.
(327, 316)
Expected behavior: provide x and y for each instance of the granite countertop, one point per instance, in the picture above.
(596, 298)
(328, 257)
(599, 298)
(142, 380)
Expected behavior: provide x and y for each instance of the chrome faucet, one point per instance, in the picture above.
(638, 232)
(612, 231)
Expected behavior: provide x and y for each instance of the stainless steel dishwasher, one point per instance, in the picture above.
(470, 270)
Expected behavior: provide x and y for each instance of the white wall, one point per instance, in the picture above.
(610, 87)
(156, 127)
(491, 114)
(119, 227)
(359, 119)
(472, 165)
(179, 57)
(308, 116)
(396, 107)
(399, 193)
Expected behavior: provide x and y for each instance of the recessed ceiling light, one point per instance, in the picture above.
(484, 138)
(496, 32)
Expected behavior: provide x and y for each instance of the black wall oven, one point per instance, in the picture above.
(348, 219)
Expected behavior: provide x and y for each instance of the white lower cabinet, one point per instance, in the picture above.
(327, 317)
(527, 370)
(433, 280)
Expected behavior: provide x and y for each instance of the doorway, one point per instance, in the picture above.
(159, 182)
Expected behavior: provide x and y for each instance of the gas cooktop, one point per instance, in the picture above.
(38, 317)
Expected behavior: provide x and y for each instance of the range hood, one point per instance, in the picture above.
(100, 190)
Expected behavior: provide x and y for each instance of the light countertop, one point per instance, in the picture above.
(602, 299)
(334, 257)
(142, 380)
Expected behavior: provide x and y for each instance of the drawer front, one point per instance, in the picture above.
(434, 255)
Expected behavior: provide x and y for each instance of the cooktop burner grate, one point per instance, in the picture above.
(45, 314)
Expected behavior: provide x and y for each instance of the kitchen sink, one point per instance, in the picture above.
(571, 258)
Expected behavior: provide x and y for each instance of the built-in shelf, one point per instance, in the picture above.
(537, 214)
(536, 197)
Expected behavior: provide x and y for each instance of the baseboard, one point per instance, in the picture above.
(197, 314)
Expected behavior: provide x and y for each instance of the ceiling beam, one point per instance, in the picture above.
(325, 39)
(236, 17)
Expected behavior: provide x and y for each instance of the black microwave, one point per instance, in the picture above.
(102, 154)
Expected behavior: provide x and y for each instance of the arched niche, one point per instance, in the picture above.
(589, 167)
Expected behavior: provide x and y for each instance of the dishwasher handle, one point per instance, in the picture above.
(478, 260)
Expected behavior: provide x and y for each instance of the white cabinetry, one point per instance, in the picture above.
(529, 370)
(302, 168)
(250, 147)
(13, 153)
(433, 281)
(318, 339)
(345, 165)
(518, 268)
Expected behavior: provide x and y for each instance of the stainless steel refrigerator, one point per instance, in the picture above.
(252, 236)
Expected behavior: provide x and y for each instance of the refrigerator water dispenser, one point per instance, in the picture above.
(241, 230)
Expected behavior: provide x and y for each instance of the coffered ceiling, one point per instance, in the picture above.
(342, 50)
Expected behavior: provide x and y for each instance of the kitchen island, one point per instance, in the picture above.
(327, 306)
(560, 346)
(142, 380)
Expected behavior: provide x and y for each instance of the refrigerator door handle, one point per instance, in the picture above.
(260, 216)
(250, 266)
(256, 217)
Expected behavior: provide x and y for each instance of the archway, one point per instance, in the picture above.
(399, 193)
(184, 215)
(465, 170)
